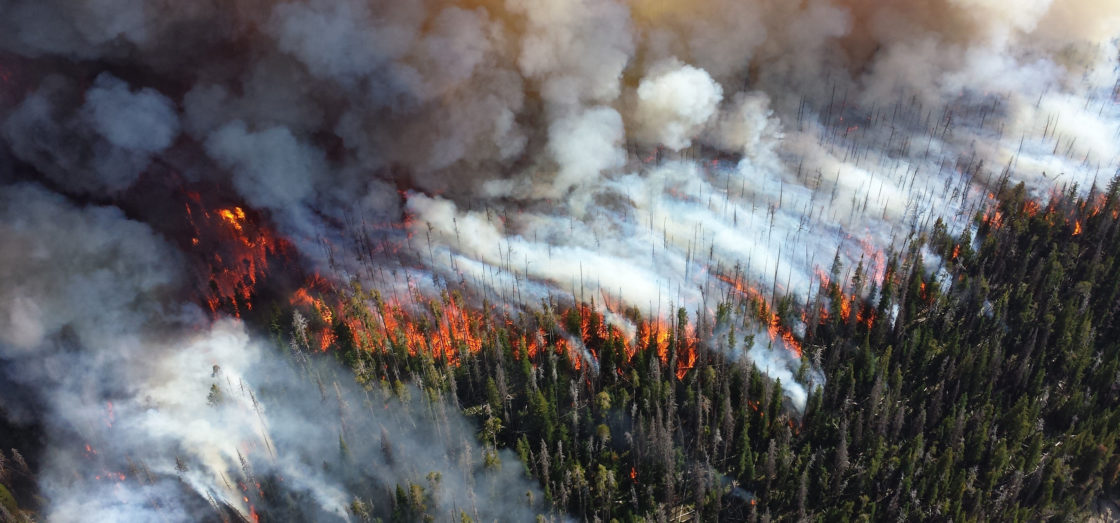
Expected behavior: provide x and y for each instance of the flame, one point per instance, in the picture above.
(823, 277)
(993, 218)
(1077, 227)
(234, 251)
(234, 217)
(846, 308)
(774, 326)
(111, 476)
(687, 360)
(866, 319)
(447, 329)
(876, 259)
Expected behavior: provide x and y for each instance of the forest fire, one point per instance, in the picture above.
(993, 219)
(111, 476)
(455, 330)
(236, 251)
(774, 326)
(391, 232)
(447, 329)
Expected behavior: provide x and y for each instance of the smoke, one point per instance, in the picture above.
(653, 154)
(270, 168)
(100, 146)
(674, 103)
(585, 145)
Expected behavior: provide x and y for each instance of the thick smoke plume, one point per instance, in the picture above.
(649, 153)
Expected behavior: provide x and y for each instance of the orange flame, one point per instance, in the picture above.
(774, 326)
(235, 250)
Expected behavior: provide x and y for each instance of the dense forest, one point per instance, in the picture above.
(977, 380)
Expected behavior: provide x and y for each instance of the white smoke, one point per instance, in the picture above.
(585, 145)
(674, 103)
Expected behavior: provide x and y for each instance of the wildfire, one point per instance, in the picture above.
(846, 308)
(454, 331)
(110, 476)
(867, 319)
(1077, 227)
(234, 252)
(235, 217)
(774, 326)
(993, 219)
(822, 276)
(447, 329)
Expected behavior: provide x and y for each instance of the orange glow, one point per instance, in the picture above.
(823, 277)
(455, 329)
(994, 219)
(867, 320)
(1076, 227)
(233, 216)
(234, 250)
(846, 308)
(687, 360)
(773, 323)
(876, 260)
(447, 329)
(956, 251)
